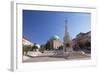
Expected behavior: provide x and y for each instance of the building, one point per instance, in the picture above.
(67, 42)
(82, 42)
(26, 42)
(54, 42)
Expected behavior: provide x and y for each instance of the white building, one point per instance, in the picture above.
(26, 42)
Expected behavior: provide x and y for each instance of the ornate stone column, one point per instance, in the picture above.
(67, 42)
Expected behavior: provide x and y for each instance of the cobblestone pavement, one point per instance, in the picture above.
(73, 56)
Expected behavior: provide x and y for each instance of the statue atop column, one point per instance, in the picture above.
(67, 42)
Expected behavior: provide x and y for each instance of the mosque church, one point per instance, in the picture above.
(55, 42)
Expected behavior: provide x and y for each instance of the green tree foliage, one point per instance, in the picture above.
(34, 47)
(26, 48)
(47, 46)
(61, 47)
(42, 48)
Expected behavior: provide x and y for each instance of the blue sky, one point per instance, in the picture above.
(39, 26)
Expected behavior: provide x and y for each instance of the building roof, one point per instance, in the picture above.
(26, 42)
(55, 37)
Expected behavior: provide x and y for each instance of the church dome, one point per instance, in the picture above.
(55, 37)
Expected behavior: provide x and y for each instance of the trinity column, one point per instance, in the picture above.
(67, 42)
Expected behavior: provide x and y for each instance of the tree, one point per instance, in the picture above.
(34, 47)
(42, 48)
(47, 46)
(60, 47)
(26, 48)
